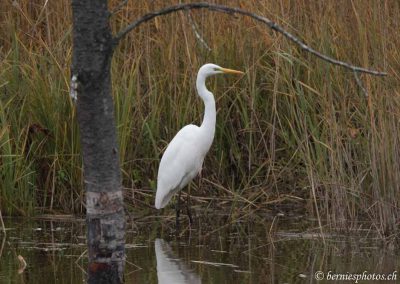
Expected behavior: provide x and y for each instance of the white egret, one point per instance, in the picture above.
(183, 158)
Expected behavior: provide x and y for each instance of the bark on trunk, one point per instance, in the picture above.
(92, 53)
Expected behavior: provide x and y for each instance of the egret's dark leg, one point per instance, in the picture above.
(188, 208)
(177, 208)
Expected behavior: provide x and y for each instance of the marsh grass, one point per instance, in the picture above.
(293, 130)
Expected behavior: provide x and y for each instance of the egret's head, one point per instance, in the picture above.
(212, 69)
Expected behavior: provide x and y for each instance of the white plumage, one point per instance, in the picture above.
(184, 156)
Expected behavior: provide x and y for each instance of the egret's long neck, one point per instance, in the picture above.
(208, 124)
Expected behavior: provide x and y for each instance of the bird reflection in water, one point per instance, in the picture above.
(172, 270)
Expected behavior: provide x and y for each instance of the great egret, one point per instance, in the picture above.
(183, 158)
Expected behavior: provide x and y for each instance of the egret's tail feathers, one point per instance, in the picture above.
(159, 204)
(163, 197)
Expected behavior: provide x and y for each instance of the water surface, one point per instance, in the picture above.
(276, 250)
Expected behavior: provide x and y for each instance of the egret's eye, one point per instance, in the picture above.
(216, 69)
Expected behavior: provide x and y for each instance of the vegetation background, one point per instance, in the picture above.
(294, 133)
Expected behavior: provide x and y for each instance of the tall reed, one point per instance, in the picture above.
(294, 130)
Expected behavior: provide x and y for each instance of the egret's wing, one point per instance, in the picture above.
(179, 164)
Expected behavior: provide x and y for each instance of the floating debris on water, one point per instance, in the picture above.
(217, 264)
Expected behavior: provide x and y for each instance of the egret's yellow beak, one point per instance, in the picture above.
(226, 70)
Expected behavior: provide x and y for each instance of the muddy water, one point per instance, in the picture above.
(282, 251)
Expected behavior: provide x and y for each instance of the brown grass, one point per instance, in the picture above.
(294, 130)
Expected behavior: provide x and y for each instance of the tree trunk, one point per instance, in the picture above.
(92, 53)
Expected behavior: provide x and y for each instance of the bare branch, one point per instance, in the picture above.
(234, 10)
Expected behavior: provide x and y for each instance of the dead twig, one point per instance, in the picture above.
(233, 10)
(22, 264)
(196, 31)
(360, 84)
(119, 7)
(3, 227)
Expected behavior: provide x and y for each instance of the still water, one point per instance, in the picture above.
(277, 250)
